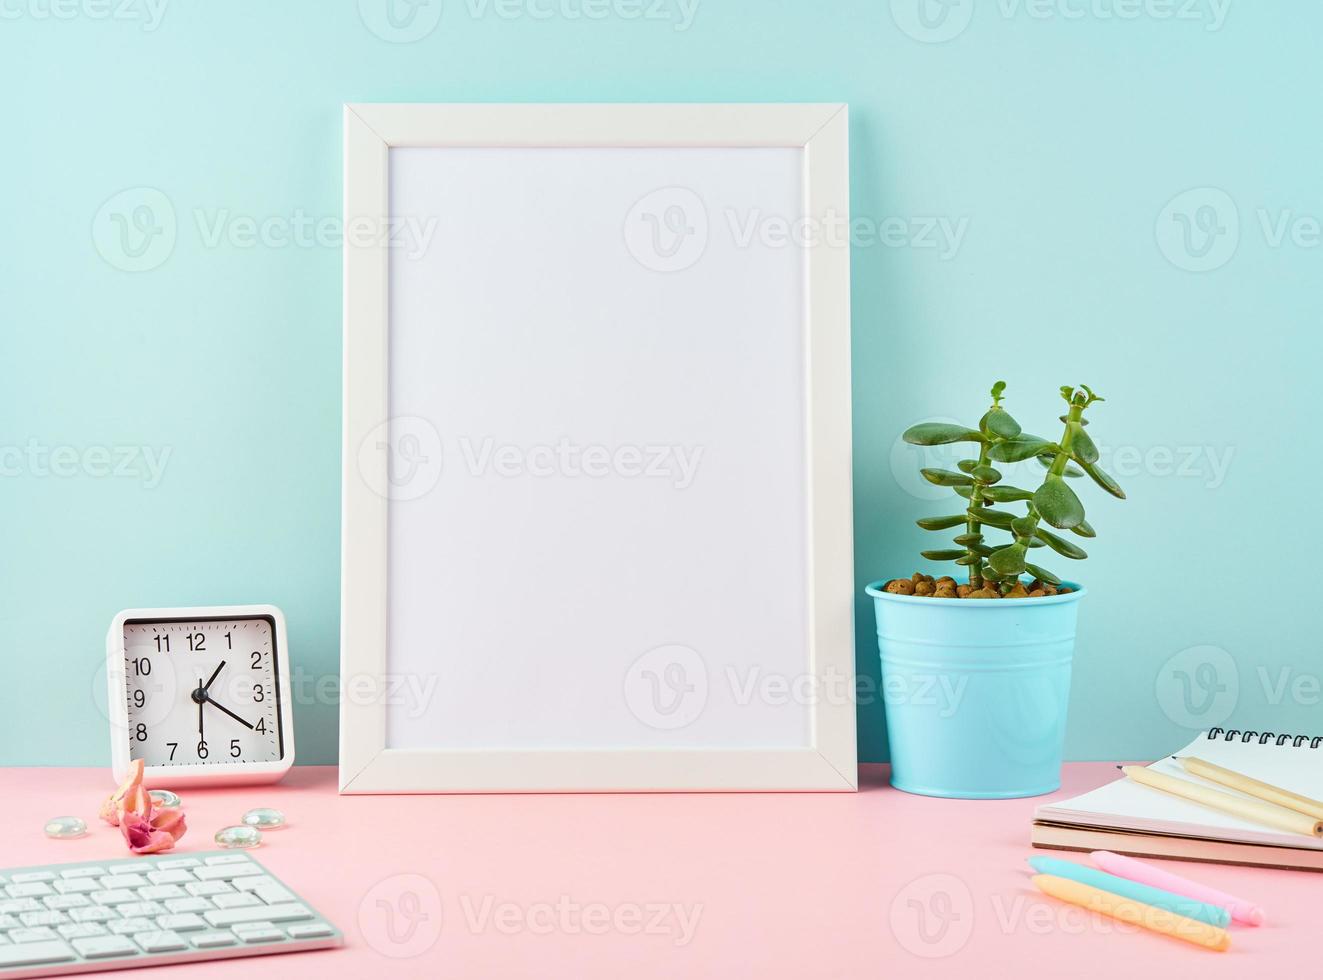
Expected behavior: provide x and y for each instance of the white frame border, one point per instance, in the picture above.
(366, 764)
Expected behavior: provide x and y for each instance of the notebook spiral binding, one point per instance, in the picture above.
(1264, 738)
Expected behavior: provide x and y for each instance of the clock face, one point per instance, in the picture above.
(203, 692)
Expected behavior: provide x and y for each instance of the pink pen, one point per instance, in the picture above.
(1146, 874)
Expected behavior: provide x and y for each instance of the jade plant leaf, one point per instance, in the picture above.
(1060, 545)
(998, 421)
(1105, 481)
(985, 474)
(939, 434)
(944, 554)
(941, 523)
(968, 539)
(1058, 503)
(1008, 560)
(967, 559)
(1042, 574)
(1021, 447)
(1024, 526)
(1081, 445)
(965, 465)
(1071, 471)
(1085, 530)
(1005, 495)
(946, 478)
(995, 518)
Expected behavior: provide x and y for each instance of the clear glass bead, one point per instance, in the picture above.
(66, 828)
(264, 818)
(238, 837)
(164, 797)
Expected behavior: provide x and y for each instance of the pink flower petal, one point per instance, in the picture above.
(170, 820)
(130, 795)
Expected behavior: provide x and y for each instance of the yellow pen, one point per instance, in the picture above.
(1137, 913)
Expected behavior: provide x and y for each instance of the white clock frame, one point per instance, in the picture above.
(214, 774)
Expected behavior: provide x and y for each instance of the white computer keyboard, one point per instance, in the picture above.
(160, 908)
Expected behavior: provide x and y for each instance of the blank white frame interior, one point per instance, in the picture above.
(597, 524)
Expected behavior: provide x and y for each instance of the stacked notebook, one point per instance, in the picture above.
(1128, 818)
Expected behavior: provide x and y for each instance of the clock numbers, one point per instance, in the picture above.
(187, 691)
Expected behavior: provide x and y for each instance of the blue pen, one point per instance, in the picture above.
(1214, 915)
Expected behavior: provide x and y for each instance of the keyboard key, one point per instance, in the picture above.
(66, 901)
(33, 935)
(123, 881)
(160, 941)
(8, 921)
(273, 894)
(209, 888)
(259, 932)
(49, 917)
(170, 877)
(209, 940)
(309, 930)
(182, 922)
(178, 863)
(235, 900)
(95, 947)
(253, 883)
(33, 889)
(114, 896)
(86, 872)
(125, 927)
(93, 913)
(258, 913)
(9, 906)
(228, 859)
(77, 886)
(20, 877)
(80, 930)
(30, 954)
(217, 872)
(154, 892)
(190, 904)
(133, 910)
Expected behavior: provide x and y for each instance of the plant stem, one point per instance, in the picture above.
(973, 526)
(1059, 464)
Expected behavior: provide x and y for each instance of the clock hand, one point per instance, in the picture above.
(201, 702)
(207, 686)
(216, 704)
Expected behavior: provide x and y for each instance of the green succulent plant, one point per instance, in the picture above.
(1000, 440)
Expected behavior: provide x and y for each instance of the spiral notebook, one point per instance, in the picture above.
(1128, 818)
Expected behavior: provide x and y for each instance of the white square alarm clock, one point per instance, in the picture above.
(200, 694)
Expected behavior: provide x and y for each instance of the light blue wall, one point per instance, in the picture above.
(1047, 137)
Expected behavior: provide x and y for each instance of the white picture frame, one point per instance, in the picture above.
(381, 749)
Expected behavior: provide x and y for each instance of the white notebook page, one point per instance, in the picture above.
(1126, 805)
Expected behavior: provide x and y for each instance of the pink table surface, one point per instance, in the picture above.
(878, 883)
